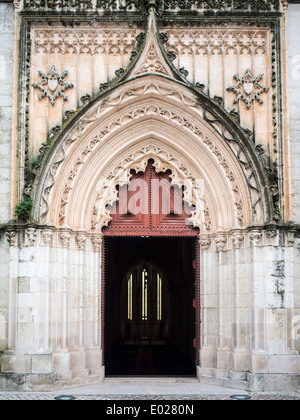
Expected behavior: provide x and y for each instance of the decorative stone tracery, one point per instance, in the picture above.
(165, 92)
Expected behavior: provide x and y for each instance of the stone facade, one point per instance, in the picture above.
(294, 77)
(200, 96)
(6, 106)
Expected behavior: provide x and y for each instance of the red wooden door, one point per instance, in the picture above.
(150, 206)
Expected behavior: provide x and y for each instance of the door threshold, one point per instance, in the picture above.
(172, 379)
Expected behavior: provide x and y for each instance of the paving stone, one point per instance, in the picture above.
(203, 397)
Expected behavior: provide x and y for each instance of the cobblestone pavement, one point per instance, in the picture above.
(29, 396)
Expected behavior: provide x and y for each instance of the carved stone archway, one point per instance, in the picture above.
(151, 112)
(101, 146)
(152, 92)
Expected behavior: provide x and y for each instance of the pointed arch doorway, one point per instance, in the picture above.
(151, 286)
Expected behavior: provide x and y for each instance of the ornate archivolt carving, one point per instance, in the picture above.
(153, 88)
(230, 175)
(136, 114)
(242, 157)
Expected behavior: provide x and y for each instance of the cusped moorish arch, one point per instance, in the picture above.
(152, 114)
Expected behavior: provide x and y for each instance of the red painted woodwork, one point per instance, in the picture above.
(156, 217)
(150, 206)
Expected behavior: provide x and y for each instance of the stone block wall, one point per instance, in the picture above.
(293, 33)
(6, 100)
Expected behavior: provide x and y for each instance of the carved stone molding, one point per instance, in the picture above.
(31, 235)
(160, 90)
(205, 244)
(225, 41)
(97, 242)
(12, 237)
(221, 242)
(237, 239)
(17, 4)
(272, 234)
(178, 6)
(256, 238)
(290, 236)
(65, 238)
(84, 41)
(47, 236)
(81, 241)
(285, 4)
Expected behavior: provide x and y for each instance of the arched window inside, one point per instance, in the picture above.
(145, 295)
(145, 291)
(130, 283)
(159, 298)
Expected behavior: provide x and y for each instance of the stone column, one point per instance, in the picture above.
(61, 356)
(31, 363)
(93, 339)
(241, 359)
(46, 292)
(79, 307)
(94, 345)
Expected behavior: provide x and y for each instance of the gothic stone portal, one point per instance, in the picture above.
(150, 295)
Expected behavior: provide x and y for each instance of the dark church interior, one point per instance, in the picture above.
(149, 312)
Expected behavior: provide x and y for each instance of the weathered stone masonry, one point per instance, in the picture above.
(90, 91)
